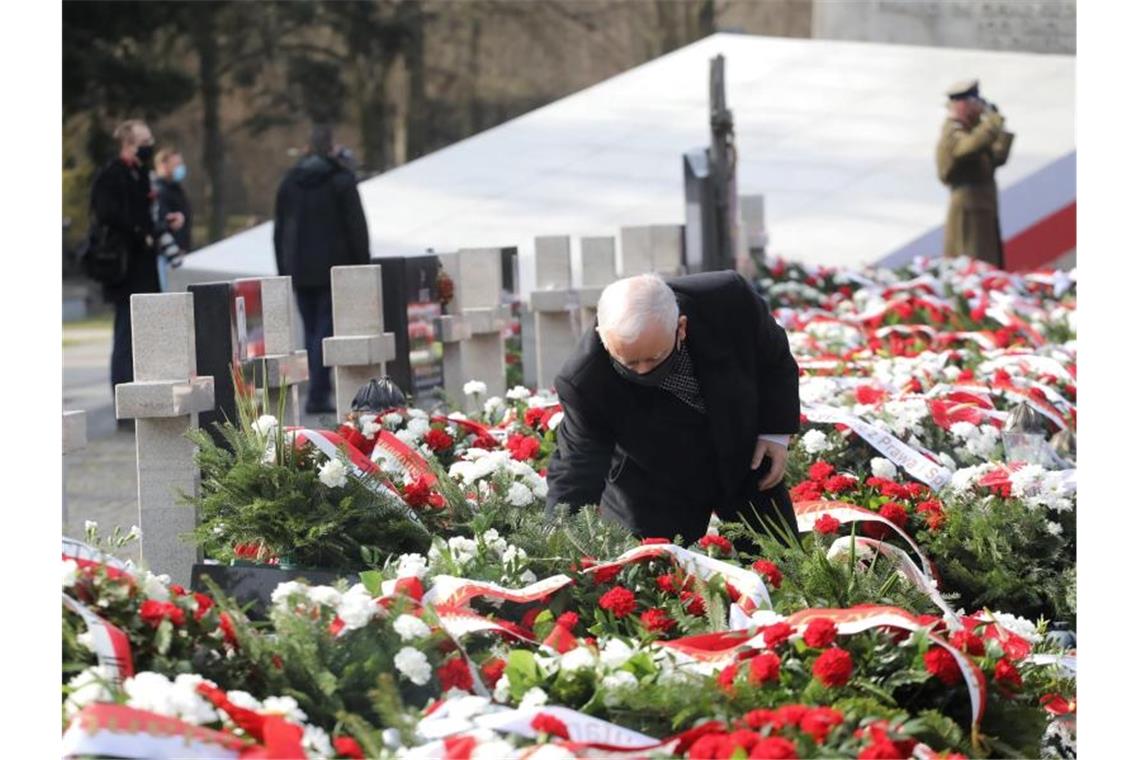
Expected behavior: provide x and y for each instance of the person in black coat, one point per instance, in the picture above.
(679, 403)
(121, 200)
(170, 198)
(319, 224)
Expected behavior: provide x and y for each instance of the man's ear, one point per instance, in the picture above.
(682, 327)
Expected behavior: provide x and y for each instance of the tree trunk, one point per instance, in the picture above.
(416, 122)
(474, 102)
(213, 148)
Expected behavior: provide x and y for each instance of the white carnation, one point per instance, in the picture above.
(392, 420)
(264, 425)
(1026, 629)
(410, 627)
(411, 565)
(326, 596)
(474, 387)
(86, 640)
(535, 697)
(965, 430)
(1053, 528)
(369, 427)
(518, 393)
(418, 426)
(578, 658)
(883, 468)
(615, 653)
(418, 413)
(285, 590)
(88, 686)
(528, 577)
(519, 495)
(407, 437)
(513, 554)
(244, 699)
(814, 441)
(286, 707)
(70, 572)
(493, 406)
(495, 749)
(616, 685)
(502, 689)
(413, 665)
(333, 473)
(156, 586)
(356, 607)
(315, 741)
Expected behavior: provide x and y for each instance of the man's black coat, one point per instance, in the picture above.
(634, 451)
(172, 198)
(319, 222)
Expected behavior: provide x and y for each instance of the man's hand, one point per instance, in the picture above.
(175, 219)
(779, 456)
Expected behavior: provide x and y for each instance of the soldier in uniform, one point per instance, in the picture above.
(973, 144)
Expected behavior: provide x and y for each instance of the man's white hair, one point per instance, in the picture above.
(630, 306)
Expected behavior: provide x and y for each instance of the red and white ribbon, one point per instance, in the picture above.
(808, 512)
(111, 645)
(111, 730)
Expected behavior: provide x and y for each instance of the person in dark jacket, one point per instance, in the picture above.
(170, 172)
(679, 403)
(319, 224)
(121, 200)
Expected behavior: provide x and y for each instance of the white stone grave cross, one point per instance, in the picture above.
(74, 439)
(472, 334)
(557, 320)
(359, 346)
(164, 400)
(599, 269)
(282, 368)
(652, 248)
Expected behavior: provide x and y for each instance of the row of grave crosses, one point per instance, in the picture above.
(185, 345)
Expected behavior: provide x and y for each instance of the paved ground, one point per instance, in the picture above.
(100, 481)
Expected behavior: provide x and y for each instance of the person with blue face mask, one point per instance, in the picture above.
(171, 202)
(680, 403)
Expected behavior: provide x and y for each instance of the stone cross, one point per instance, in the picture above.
(753, 228)
(556, 308)
(599, 269)
(281, 368)
(359, 346)
(74, 439)
(653, 248)
(472, 331)
(164, 400)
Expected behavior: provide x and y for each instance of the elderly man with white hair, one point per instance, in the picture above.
(680, 403)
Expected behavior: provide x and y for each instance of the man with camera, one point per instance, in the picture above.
(121, 251)
(973, 144)
(170, 199)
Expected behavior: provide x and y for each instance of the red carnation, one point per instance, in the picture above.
(1005, 673)
(883, 749)
(205, 603)
(757, 719)
(771, 573)
(567, 620)
(694, 603)
(438, 440)
(666, 583)
(177, 590)
(820, 471)
(226, 625)
(1056, 704)
(718, 542)
(484, 441)
(410, 586)
(808, 490)
(533, 417)
(894, 512)
(154, 612)
(459, 747)
(725, 678)
(968, 642)
(826, 525)
(654, 541)
(774, 748)
(530, 616)
(788, 715)
(713, 746)
(346, 746)
(454, 674)
(833, 667)
(839, 483)
(941, 663)
(522, 447)
(545, 723)
(492, 670)
(866, 394)
(818, 722)
(776, 634)
(820, 633)
(418, 493)
(657, 619)
(618, 600)
(606, 574)
(356, 439)
(763, 667)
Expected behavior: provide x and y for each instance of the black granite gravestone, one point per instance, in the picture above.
(216, 350)
(411, 304)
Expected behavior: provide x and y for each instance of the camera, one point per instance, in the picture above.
(167, 247)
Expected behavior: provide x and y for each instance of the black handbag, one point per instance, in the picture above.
(105, 255)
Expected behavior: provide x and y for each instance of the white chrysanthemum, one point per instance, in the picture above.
(265, 425)
(814, 441)
(964, 479)
(616, 686)
(518, 393)
(474, 387)
(883, 468)
(519, 495)
(286, 707)
(410, 627)
(356, 607)
(285, 590)
(411, 565)
(333, 473)
(324, 595)
(88, 686)
(187, 704)
(985, 444)
(578, 658)
(413, 665)
(615, 653)
(244, 699)
(70, 572)
(535, 697)
(156, 587)
(315, 741)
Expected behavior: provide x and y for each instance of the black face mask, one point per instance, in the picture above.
(145, 154)
(653, 377)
